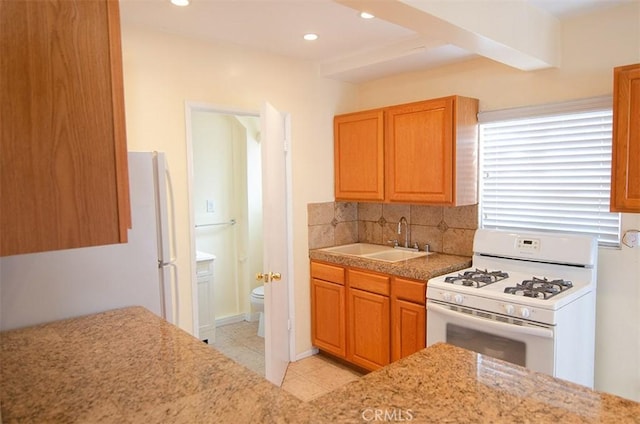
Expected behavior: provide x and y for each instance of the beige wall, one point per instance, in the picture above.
(592, 46)
(162, 71)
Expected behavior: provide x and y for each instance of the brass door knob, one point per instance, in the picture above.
(272, 276)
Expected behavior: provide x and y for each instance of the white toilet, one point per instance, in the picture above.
(257, 302)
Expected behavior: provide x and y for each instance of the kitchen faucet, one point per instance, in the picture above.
(406, 231)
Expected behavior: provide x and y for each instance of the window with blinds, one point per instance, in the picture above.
(548, 169)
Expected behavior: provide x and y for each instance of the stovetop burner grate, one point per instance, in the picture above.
(478, 278)
(540, 288)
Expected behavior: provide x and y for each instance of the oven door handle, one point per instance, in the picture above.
(486, 323)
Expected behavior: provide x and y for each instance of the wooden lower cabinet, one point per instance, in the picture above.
(328, 322)
(408, 333)
(367, 318)
(408, 317)
(328, 313)
(369, 329)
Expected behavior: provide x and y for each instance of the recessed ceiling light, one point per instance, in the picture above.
(310, 37)
(180, 2)
(366, 15)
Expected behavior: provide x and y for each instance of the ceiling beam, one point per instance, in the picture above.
(511, 32)
(377, 55)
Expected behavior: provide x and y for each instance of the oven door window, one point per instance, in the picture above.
(509, 350)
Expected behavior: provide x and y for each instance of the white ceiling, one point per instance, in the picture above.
(406, 35)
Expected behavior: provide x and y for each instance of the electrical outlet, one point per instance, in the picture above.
(631, 238)
(210, 207)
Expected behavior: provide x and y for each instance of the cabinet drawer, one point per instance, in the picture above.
(373, 283)
(410, 290)
(203, 268)
(327, 272)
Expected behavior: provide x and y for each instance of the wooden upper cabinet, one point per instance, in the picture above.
(424, 152)
(63, 149)
(431, 152)
(359, 156)
(625, 165)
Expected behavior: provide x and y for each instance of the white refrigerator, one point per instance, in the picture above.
(48, 286)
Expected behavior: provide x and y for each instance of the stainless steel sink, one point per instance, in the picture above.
(376, 252)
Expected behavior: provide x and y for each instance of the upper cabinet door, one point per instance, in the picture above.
(359, 156)
(625, 165)
(424, 152)
(419, 152)
(63, 149)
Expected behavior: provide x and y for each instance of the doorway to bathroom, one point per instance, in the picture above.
(227, 155)
(227, 210)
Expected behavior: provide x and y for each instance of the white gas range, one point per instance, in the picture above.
(528, 298)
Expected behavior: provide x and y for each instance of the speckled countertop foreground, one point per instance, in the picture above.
(422, 268)
(129, 366)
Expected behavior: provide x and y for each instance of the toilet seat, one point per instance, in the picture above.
(258, 292)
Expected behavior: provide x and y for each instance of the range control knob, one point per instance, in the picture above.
(509, 309)
(446, 296)
(525, 313)
(458, 299)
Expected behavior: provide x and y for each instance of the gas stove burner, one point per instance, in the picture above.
(539, 288)
(478, 278)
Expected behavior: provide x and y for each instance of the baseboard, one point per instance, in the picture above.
(308, 353)
(230, 320)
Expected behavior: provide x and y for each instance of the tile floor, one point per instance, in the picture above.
(306, 379)
(241, 343)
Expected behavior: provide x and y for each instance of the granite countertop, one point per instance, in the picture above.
(447, 384)
(130, 366)
(422, 268)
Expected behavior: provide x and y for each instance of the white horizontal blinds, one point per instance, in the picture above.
(549, 173)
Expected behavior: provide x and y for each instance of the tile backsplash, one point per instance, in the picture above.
(445, 229)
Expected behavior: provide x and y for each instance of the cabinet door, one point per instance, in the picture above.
(369, 328)
(328, 317)
(408, 328)
(63, 150)
(359, 156)
(419, 152)
(625, 164)
(206, 318)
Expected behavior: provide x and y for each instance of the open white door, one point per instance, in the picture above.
(276, 242)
